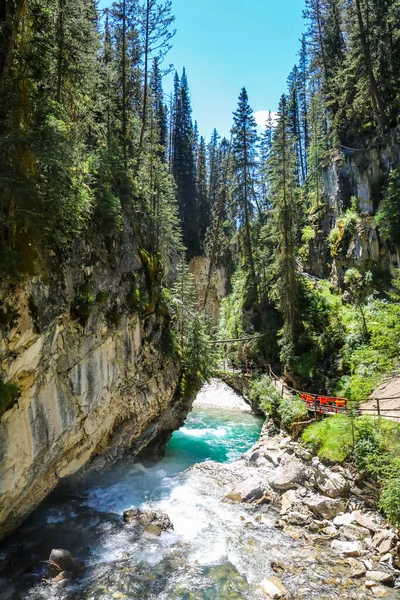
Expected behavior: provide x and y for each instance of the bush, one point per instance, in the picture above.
(9, 393)
(292, 411)
(264, 394)
(369, 443)
(283, 411)
(390, 498)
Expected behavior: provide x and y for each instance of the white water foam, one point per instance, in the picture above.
(216, 393)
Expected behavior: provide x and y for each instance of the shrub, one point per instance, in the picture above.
(369, 443)
(390, 498)
(292, 411)
(264, 394)
(9, 393)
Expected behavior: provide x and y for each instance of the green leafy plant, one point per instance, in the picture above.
(9, 393)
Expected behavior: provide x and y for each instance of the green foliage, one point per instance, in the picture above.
(198, 352)
(390, 497)
(376, 451)
(283, 411)
(136, 300)
(292, 410)
(370, 442)
(8, 316)
(170, 343)
(102, 297)
(264, 394)
(340, 235)
(82, 306)
(308, 234)
(331, 438)
(9, 393)
(388, 217)
(194, 331)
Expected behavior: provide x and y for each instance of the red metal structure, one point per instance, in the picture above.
(324, 404)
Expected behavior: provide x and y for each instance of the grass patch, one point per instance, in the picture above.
(331, 438)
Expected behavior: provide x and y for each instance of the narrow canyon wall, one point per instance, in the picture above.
(88, 391)
(362, 174)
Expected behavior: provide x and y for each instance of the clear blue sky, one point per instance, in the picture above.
(228, 44)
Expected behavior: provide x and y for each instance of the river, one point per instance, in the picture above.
(218, 550)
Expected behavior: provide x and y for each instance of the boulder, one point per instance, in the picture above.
(146, 518)
(380, 577)
(346, 548)
(62, 561)
(249, 490)
(297, 518)
(346, 519)
(290, 472)
(379, 591)
(354, 532)
(62, 578)
(273, 587)
(384, 540)
(331, 484)
(288, 499)
(330, 531)
(358, 569)
(325, 507)
(364, 520)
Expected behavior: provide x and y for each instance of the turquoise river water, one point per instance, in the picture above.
(218, 550)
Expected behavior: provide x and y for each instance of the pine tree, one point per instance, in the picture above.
(303, 99)
(183, 167)
(265, 154)
(294, 120)
(155, 20)
(202, 205)
(244, 143)
(127, 82)
(159, 109)
(47, 115)
(284, 201)
(212, 152)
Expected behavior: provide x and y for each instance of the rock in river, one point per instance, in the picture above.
(154, 521)
(61, 562)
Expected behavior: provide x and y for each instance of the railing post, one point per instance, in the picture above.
(378, 406)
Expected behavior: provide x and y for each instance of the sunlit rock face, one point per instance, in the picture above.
(88, 390)
(352, 174)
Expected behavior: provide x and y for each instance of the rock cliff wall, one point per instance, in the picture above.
(361, 174)
(91, 386)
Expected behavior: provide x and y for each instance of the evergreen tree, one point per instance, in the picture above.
(265, 153)
(49, 79)
(155, 20)
(126, 43)
(244, 146)
(159, 109)
(183, 167)
(202, 205)
(284, 192)
(212, 151)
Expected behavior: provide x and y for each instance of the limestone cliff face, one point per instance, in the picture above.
(199, 267)
(362, 174)
(89, 390)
